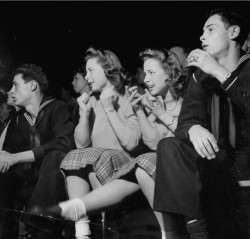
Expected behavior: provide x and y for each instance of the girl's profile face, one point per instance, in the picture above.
(156, 79)
(95, 75)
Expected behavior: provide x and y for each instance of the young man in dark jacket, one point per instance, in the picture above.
(37, 139)
(214, 124)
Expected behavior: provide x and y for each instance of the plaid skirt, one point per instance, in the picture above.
(147, 162)
(108, 164)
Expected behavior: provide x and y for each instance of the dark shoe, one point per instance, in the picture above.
(53, 212)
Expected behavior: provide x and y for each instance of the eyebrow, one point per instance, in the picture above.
(210, 25)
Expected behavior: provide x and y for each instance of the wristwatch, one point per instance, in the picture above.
(108, 110)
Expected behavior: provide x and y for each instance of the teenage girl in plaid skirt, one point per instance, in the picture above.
(157, 111)
(104, 147)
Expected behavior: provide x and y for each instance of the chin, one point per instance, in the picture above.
(153, 93)
(17, 104)
(95, 89)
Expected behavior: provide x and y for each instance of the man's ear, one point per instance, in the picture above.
(33, 85)
(234, 31)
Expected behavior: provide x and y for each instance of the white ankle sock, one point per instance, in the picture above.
(73, 209)
(163, 235)
(82, 229)
(169, 235)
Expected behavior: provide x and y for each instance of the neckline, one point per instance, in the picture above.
(172, 109)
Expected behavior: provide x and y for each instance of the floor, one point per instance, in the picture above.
(133, 219)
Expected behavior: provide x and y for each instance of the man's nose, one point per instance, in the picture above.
(11, 91)
(202, 37)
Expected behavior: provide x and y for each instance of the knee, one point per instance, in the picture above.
(166, 146)
(140, 174)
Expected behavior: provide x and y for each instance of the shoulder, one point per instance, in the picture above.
(244, 61)
(18, 119)
(51, 102)
(54, 106)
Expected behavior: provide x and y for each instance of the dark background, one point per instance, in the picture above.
(56, 34)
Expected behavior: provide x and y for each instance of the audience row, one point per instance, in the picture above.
(177, 132)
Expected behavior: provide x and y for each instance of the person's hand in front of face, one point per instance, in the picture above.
(84, 104)
(203, 141)
(202, 60)
(108, 97)
(153, 104)
(135, 98)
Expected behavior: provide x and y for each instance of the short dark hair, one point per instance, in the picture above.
(81, 70)
(171, 65)
(111, 65)
(3, 98)
(33, 72)
(232, 17)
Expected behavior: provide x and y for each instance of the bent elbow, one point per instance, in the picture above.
(132, 140)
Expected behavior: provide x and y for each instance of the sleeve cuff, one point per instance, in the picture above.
(38, 153)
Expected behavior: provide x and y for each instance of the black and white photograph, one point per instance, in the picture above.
(125, 120)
